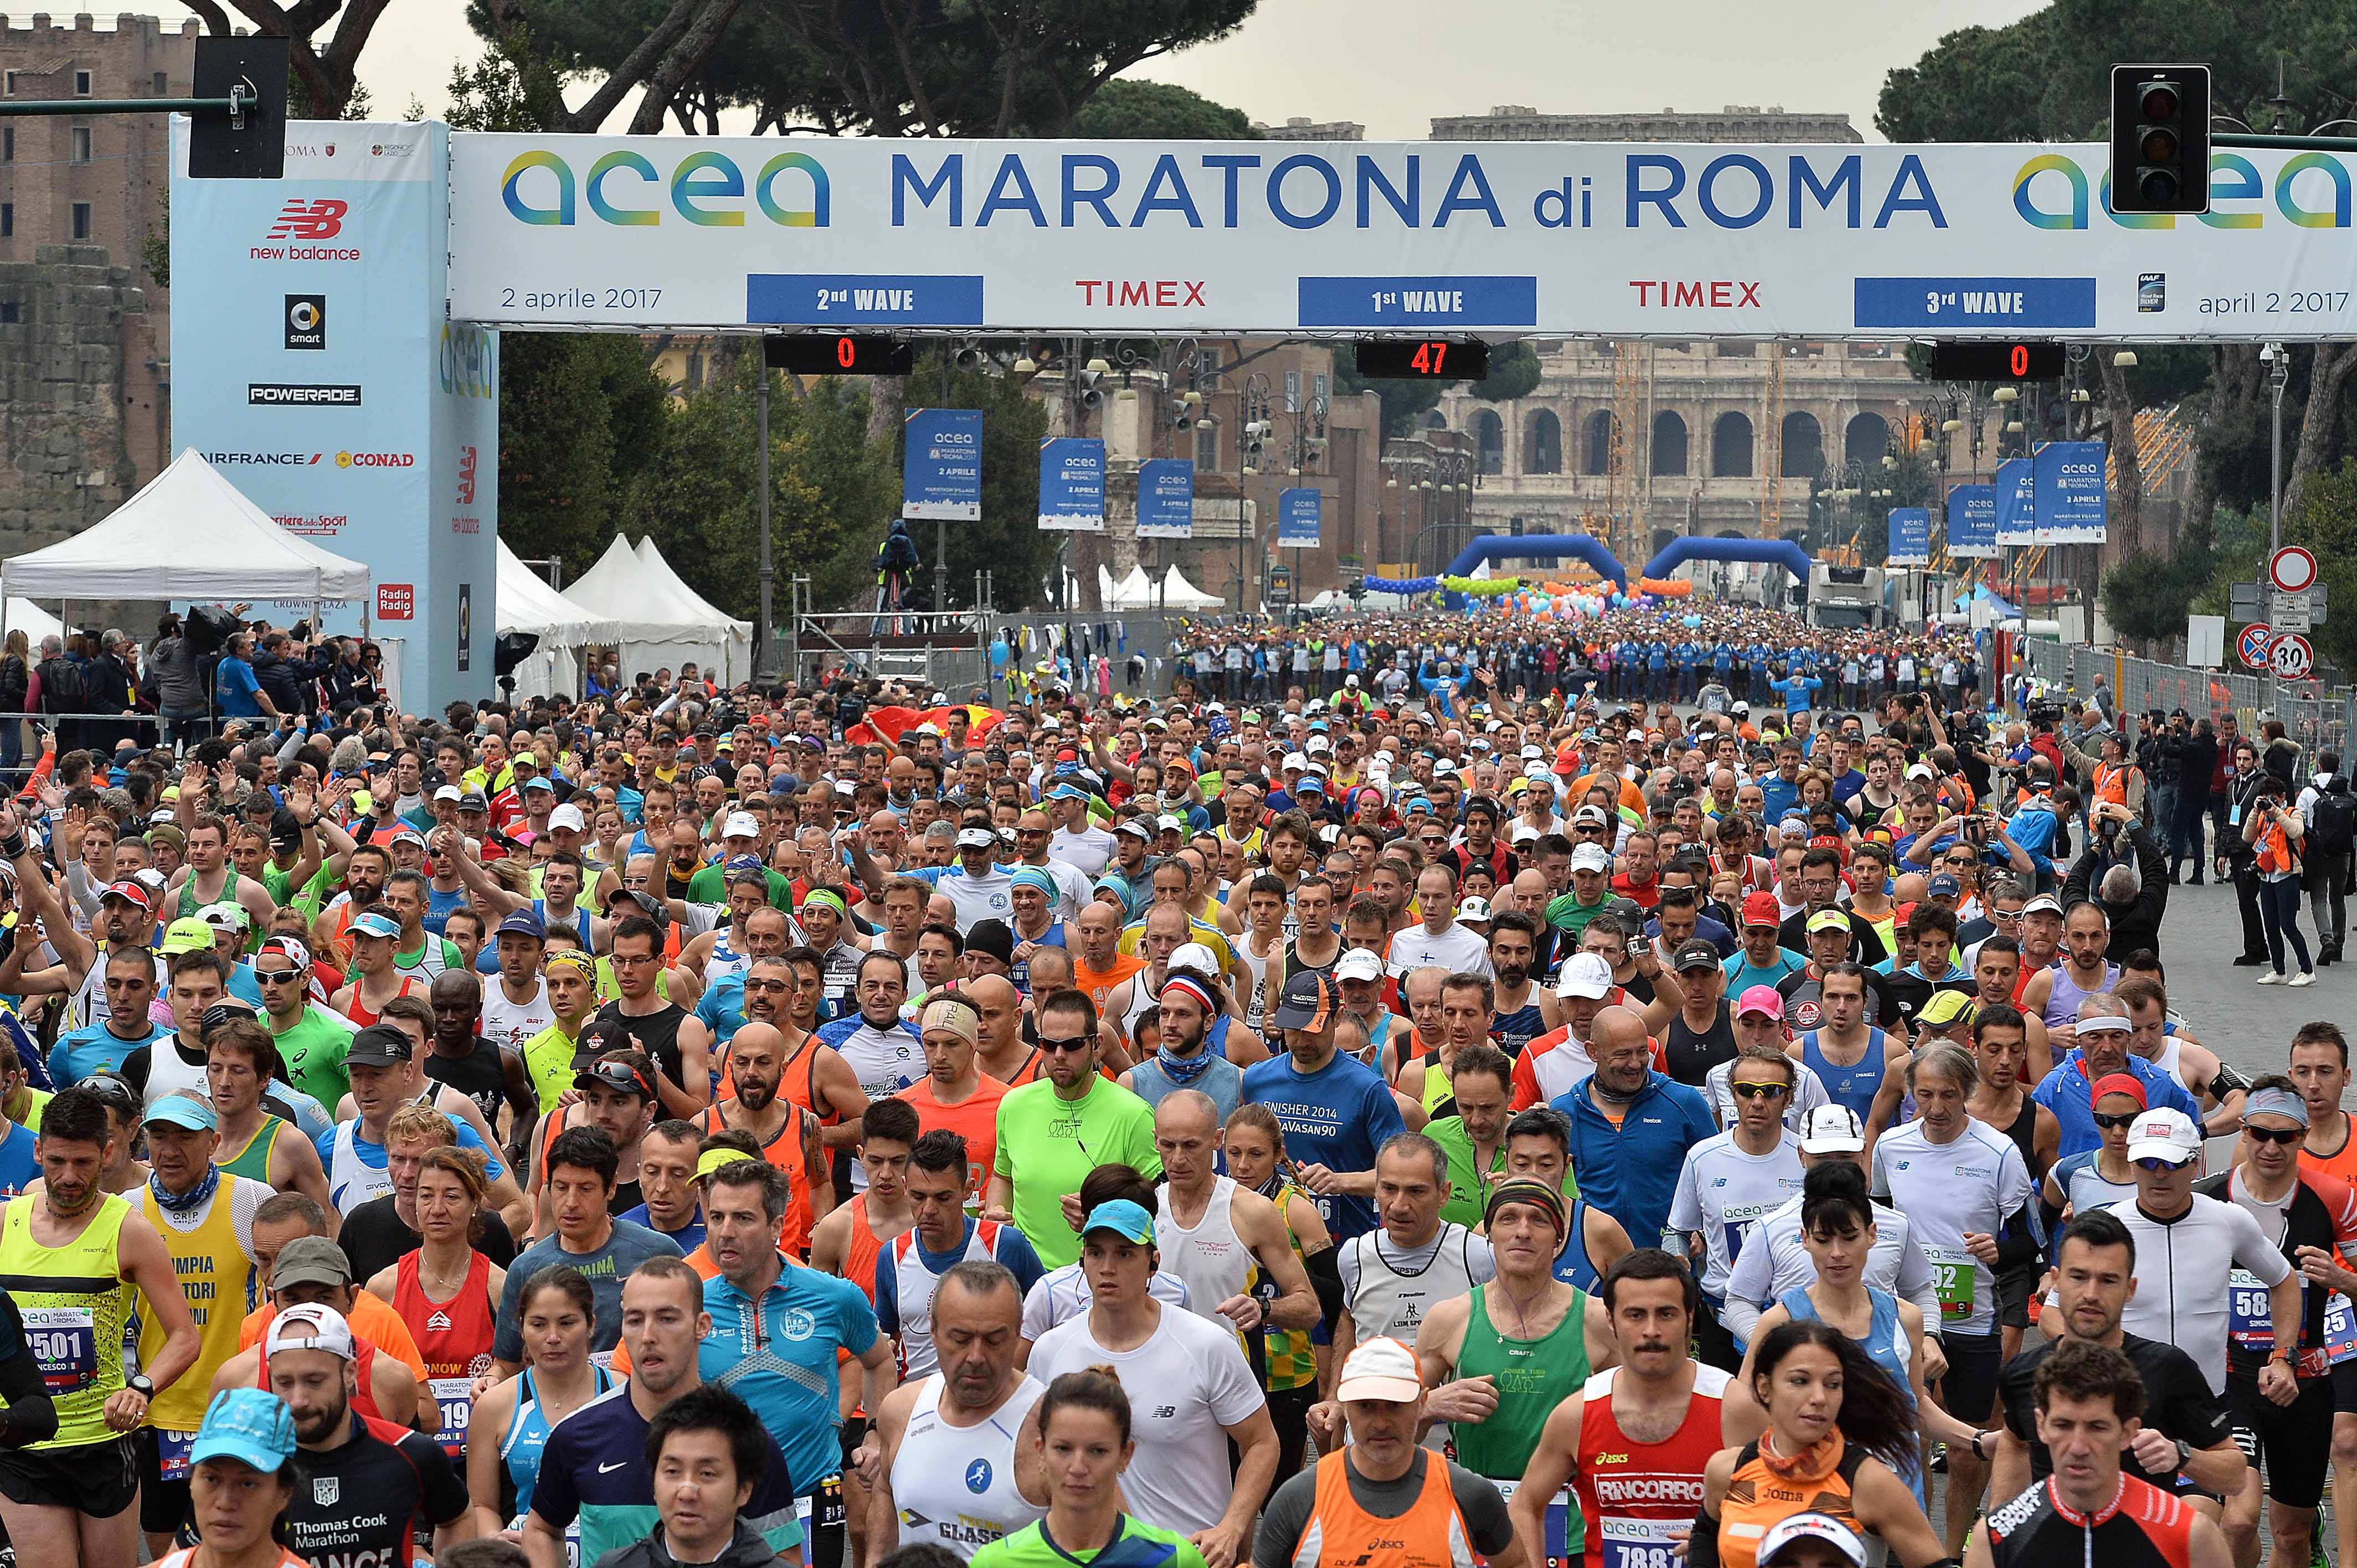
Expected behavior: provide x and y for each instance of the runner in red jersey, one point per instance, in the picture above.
(1635, 1440)
(446, 1290)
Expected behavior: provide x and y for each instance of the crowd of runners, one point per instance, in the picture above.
(1649, 1090)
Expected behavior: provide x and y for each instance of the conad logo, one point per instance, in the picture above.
(376, 460)
(2062, 202)
(699, 187)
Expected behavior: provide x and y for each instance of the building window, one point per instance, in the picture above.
(7, 219)
(1207, 370)
(1292, 392)
(7, 143)
(161, 88)
(82, 219)
(82, 84)
(81, 143)
(8, 84)
(1317, 384)
(1207, 447)
(12, 313)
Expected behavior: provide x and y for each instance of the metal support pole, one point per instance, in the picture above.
(941, 564)
(768, 575)
(2282, 373)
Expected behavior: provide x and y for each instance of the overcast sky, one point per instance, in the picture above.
(1392, 65)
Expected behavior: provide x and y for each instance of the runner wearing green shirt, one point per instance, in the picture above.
(311, 1040)
(1481, 1080)
(1054, 1131)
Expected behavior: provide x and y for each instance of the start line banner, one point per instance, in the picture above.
(1616, 239)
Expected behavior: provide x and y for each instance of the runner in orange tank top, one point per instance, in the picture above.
(955, 1095)
(2319, 1066)
(790, 1134)
(848, 1241)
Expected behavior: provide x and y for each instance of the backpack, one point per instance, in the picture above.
(63, 689)
(2335, 813)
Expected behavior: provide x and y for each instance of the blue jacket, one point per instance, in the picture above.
(2066, 1092)
(1631, 1171)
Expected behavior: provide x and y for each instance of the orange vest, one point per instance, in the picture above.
(1431, 1533)
(2275, 852)
(2112, 785)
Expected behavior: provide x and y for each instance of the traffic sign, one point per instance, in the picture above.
(2292, 612)
(2252, 644)
(2292, 569)
(2291, 658)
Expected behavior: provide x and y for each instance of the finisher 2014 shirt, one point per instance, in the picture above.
(1336, 1117)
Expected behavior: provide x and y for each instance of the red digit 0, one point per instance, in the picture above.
(843, 352)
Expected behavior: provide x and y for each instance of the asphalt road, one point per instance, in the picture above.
(2249, 1025)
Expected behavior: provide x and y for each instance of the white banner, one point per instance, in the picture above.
(1618, 238)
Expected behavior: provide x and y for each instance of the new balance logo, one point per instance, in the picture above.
(310, 218)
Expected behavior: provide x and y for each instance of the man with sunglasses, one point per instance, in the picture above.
(1730, 1180)
(2315, 1220)
(311, 1039)
(122, 1027)
(1053, 1130)
(616, 1096)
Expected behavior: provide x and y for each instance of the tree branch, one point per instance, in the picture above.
(680, 63)
(2328, 374)
(635, 65)
(215, 19)
(893, 24)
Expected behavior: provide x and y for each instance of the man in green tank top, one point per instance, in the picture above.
(78, 1259)
(1499, 1360)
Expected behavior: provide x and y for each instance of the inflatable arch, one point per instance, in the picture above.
(1492, 548)
(1774, 552)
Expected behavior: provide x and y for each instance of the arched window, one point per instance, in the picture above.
(1804, 447)
(1866, 440)
(1489, 433)
(1543, 448)
(1436, 420)
(1669, 443)
(1596, 443)
(1730, 448)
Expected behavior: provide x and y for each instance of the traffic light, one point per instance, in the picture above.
(250, 144)
(2160, 138)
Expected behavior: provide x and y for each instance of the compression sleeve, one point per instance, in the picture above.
(1324, 1268)
(1702, 1547)
(30, 1417)
(2018, 1241)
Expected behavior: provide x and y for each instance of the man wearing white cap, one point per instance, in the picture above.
(1395, 1512)
(975, 885)
(1550, 1065)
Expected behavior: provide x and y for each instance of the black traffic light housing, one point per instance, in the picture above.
(250, 144)
(2160, 138)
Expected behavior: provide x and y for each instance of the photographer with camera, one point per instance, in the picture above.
(2134, 896)
(2274, 832)
(2237, 856)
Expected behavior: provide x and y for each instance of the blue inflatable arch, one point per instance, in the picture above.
(1493, 548)
(1774, 552)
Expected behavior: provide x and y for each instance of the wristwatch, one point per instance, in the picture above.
(141, 1384)
(2184, 1454)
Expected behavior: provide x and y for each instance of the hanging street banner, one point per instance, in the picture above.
(1972, 522)
(2067, 489)
(1071, 484)
(941, 467)
(1147, 238)
(2014, 518)
(1911, 537)
(1298, 516)
(1165, 499)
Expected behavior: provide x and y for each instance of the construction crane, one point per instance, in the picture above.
(1620, 456)
(1771, 448)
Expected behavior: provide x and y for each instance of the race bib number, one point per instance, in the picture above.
(453, 1397)
(1562, 1540)
(172, 1451)
(1641, 1542)
(64, 1342)
(2340, 1330)
(1955, 1275)
(2250, 1321)
(602, 1360)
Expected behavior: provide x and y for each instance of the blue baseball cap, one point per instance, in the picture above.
(375, 925)
(184, 1109)
(1123, 1219)
(521, 923)
(252, 1426)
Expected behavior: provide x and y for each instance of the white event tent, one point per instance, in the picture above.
(187, 534)
(658, 620)
(527, 603)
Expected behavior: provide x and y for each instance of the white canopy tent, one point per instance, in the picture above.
(1178, 594)
(527, 603)
(187, 534)
(1138, 591)
(656, 620)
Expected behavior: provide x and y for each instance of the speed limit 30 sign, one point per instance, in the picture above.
(2290, 657)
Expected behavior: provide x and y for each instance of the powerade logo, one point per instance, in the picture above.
(2311, 190)
(290, 394)
(303, 221)
(263, 460)
(706, 189)
(376, 460)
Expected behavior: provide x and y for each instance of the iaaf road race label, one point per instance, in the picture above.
(1604, 238)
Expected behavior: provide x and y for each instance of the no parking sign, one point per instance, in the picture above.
(2253, 643)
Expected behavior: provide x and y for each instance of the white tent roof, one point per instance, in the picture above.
(1135, 592)
(528, 604)
(1178, 594)
(187, 534)
(705, 611)
(615, 590)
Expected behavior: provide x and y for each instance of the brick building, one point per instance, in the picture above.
(85, 333)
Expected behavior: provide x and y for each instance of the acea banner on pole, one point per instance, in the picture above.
(2067, 490)
(1071, 484)
(1911, 537)
(941, 468)
(2015, 521)
(1972, 522)
(1298, 515)
(1165, 499)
